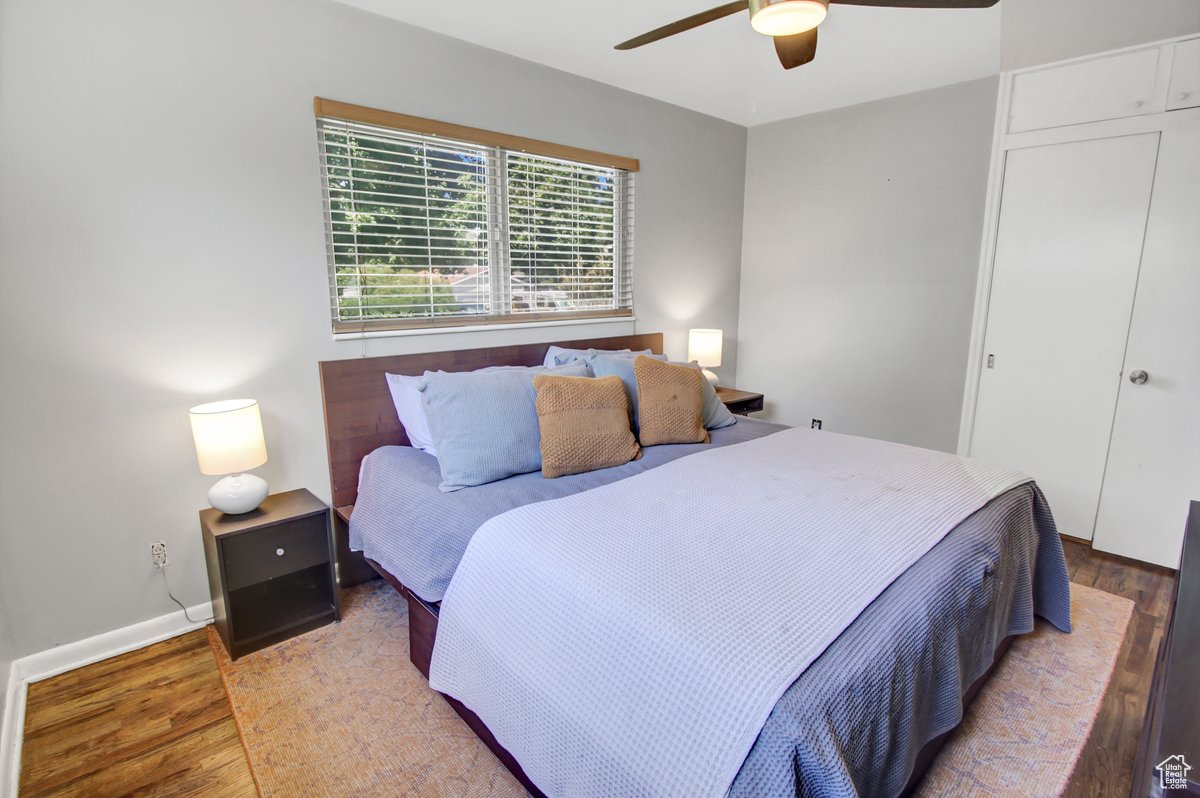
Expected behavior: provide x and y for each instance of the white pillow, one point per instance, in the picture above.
(410, 411)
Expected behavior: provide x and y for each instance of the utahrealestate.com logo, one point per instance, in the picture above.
(1172, 773)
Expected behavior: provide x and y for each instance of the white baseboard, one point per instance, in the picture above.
(11, 728)
(68, 657)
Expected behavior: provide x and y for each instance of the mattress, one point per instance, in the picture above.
(588, 631)
(418, 534)
(853, 722)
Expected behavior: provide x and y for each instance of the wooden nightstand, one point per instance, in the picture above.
(270, 571)
(741, 403)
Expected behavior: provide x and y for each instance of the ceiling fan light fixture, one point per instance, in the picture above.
(786, 17)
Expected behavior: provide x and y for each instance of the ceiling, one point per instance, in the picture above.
(723, 69)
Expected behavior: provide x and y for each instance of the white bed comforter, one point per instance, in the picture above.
(632, 639)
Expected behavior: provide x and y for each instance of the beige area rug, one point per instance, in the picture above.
(1026, 729)
(340, 711)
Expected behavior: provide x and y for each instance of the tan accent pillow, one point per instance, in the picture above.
(669, 403)
(584, 424)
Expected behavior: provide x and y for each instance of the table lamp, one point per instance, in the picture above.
(229, 441)
(704, 347)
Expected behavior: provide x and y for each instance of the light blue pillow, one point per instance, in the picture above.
(406, 396)
(484, 423)
(558, 356)
(619, 365)
(712, 409)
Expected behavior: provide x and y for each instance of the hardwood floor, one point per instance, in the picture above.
(1106, 767)
(157, 722)
(151, 722)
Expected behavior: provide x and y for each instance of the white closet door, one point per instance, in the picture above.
(1072, 220)
(1154, 459)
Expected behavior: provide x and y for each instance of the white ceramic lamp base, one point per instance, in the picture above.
(238, 493)
(708, 375)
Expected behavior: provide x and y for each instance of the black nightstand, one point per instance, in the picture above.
(741, 403)
(270, 571)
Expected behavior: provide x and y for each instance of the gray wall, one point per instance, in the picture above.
(161, 245)
(1036, 32)
(6, 659)
(860, 252)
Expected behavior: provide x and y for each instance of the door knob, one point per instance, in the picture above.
(1138, 377)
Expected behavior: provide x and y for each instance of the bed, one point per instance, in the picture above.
(854, 722)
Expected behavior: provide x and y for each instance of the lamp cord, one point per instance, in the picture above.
(163, 571)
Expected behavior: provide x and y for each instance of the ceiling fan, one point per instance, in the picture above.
(791, 23)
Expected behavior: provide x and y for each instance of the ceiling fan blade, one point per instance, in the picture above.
(919, 3)
(679, 26)
(797, 50)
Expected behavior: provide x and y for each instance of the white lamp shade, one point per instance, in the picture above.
(704, 347)
(228, 436)
(786, 17)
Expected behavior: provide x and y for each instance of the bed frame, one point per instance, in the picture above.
(360, 417)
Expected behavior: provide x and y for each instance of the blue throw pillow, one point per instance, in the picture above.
(713, 410)
(619, 365)
(484, 423)
(558, 356)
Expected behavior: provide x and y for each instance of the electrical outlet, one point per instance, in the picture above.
(158, 554)
(816, 423)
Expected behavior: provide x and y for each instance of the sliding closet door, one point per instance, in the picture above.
(1069, 241)
(1154, 459)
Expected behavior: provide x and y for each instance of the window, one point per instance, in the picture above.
(435, 225)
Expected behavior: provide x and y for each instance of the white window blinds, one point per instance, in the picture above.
(429, 231)
(567, 235)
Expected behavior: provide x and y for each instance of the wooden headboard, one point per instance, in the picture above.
(360, 417)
